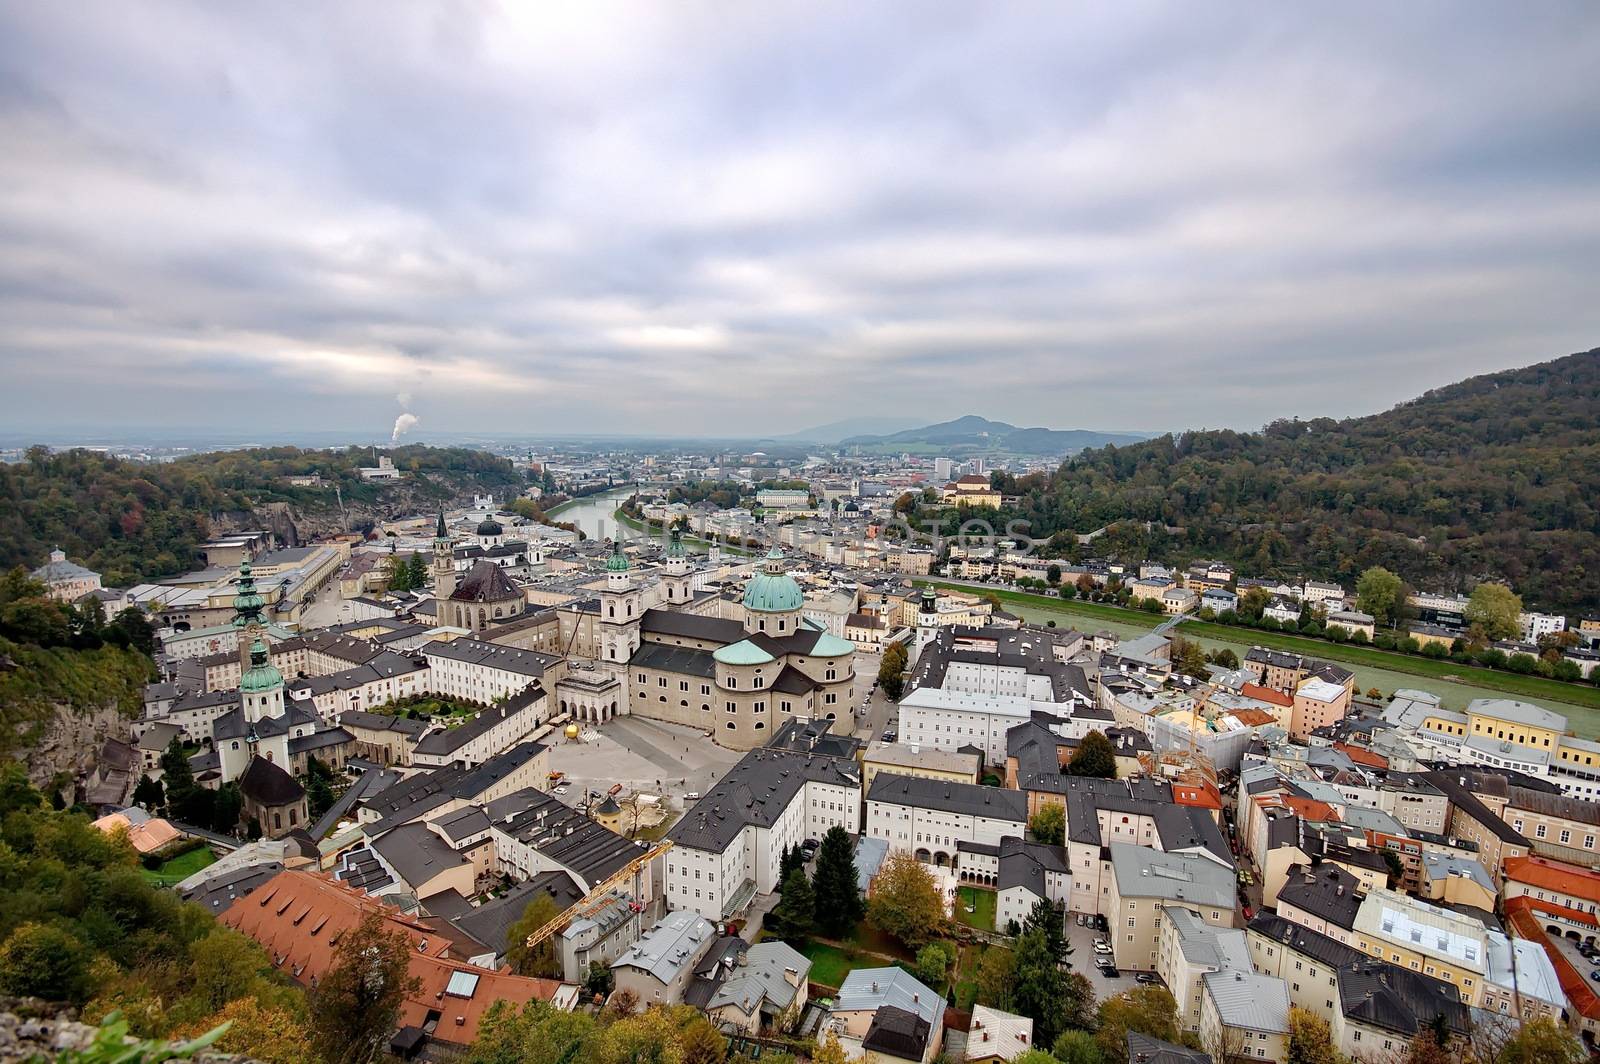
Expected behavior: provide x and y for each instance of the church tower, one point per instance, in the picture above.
(261, 687)
(679, 584)
(444, 565)
(247, 616)
(620, 610)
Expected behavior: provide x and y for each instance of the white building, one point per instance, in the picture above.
(728, 845)
(931, 817)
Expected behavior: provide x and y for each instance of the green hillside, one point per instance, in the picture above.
(1496, 477)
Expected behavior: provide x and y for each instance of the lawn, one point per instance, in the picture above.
(180, 868)
(830, 964)
(1494, 680)
(982, 901)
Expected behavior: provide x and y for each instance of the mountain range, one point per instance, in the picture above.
(978, 433)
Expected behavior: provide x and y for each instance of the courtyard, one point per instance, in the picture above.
(645, 756)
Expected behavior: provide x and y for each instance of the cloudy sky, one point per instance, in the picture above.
(750, 218)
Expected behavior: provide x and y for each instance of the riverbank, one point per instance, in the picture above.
(1454, 683)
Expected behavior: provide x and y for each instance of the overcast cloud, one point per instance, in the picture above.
(750, 218)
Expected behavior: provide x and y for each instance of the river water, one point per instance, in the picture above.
(592, 513)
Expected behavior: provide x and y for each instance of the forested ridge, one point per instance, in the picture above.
(1495, 477)
(132, 521)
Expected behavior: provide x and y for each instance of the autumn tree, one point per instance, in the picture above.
(1495, 611)
(1049, 824)
(543, 959)
(1148, 1010)
(891, 670)
(995, 978)
(906, 902)
(1095, 756)
(1311, 1040)
(259, 1030)
(1541, 1041)
(1380, 593)
(356, 1004)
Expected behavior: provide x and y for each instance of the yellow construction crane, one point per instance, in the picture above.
(599, 896)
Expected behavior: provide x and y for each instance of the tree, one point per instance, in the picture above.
(829, 1051)
(1225, 657)
(357, 1002)
(542, 960)
(149, 793)
(417, 571)
(793, 917)
(44, 961)
(258, 1030)
(994, 979)
(1034, 1056)
(1540, 1042)
(905, 901)
(1049, 824)
(701, 1043)
(838, 899)
(1076, 1047)
(133, 624)
(535, 1034)
(1095, 756)
(1148, 1010)
(1311, 1039)
(1380, 593)
(224, 966)
(1495, 611)
(1189, 658)
(891, 670)
(1051, 923)
(1038, 988)
(319, 796)
(933, 963)
(399, 573)
(1052, 575)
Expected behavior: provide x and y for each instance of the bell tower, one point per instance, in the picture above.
(444, 564)
(679, 584)
(620, 610)
(248, 605)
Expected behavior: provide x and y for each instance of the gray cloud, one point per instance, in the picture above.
(658, 218)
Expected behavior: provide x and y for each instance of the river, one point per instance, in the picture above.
(592, 513)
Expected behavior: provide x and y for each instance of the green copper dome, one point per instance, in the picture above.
(618, 562)
(743, 652)
(675, 544)
(262, 675)
(772, 590)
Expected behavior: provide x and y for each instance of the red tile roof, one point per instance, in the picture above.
(1362, 757)
(298, 917)
(1558, 876)
(1266, 694)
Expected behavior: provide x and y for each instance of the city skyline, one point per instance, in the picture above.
(738, 223)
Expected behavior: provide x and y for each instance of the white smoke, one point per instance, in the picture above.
(406, 421)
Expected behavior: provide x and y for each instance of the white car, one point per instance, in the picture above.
(561, 788)
(692, 796)
(1100, 946)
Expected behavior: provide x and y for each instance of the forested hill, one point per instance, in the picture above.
(134, 521)
(1496, 476)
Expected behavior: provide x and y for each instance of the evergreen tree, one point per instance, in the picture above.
(149, 793)
(838, 899)
(1052, 924)
(418, 571)
(793, 918)
(1038, 988)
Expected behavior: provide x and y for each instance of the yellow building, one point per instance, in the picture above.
(907, 759)
(972, 490)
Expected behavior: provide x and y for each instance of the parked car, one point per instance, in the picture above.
(1109, 970)
(1595, 975)
(1148, 979)
(692, 796)
(1100, 922)
(1594, 958)
(1101, 947)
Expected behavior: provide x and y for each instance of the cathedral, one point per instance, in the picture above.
(482, 598)
(738, 679)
